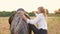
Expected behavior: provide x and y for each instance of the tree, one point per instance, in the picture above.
(31, 14)
(57, 11)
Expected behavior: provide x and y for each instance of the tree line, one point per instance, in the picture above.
(7, 13)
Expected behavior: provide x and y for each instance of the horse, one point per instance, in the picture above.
(19, 25)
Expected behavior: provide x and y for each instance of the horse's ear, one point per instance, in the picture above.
(27, 16)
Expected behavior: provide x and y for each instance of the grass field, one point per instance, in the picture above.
(53, 25)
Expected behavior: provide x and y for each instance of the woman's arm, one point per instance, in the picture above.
(33, 21)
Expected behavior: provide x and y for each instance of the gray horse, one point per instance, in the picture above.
(18, 25)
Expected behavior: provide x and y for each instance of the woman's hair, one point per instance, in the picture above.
(42, 10)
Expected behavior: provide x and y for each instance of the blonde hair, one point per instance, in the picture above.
(43, 11)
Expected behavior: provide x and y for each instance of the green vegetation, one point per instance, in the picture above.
(7, 13)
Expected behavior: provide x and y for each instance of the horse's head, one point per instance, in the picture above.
(16, 19)
(18, 11)
(18, 24)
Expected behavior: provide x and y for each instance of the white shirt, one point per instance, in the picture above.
(39, 20)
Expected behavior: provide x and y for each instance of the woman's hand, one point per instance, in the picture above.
(34, 12)
(24, 17)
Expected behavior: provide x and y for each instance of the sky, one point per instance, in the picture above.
(29, 5)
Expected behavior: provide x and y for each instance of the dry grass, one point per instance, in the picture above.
(53, 25)
(4, 26)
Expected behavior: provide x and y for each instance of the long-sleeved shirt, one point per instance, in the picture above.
(39, 20)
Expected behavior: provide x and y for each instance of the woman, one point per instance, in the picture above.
(40, 21)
